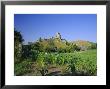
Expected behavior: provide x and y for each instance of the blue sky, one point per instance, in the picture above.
(71, 26)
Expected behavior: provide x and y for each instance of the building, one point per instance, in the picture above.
(58, 36)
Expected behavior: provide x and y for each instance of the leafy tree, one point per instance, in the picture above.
(76, 47)
(26, 49)
(18, 39)
(17, 36)
(31, 51)
(93, 46)
(51, 46)
(62, 50)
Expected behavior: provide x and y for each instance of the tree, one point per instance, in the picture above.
(51, 46)
(72, 48)
(94, 46)
(26, 51)
(35, 46)
(18, 39)
(17, 36)
(76, 48)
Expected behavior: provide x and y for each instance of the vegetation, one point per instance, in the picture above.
(17, 46)
(55, 56)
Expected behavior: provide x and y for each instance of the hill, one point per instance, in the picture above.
(58, 44)
(84, 45)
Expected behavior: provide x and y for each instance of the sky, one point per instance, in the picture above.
(72, 27)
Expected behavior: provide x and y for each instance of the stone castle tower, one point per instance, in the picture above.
(58, 36)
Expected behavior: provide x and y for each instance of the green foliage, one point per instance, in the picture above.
(18, 39)
(61, 50)
(93, 46)
(22, 68)
(83, 62)
(72, 68)
(30, 51)
(17, 36)
(87, 64)
(42, 66)
(79, 57)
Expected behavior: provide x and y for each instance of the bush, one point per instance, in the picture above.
(22, 68)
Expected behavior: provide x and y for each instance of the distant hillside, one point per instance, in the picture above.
(84, 44)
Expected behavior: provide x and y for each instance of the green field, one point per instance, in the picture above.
(82, 63)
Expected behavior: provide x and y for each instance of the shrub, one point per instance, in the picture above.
(22, 68)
